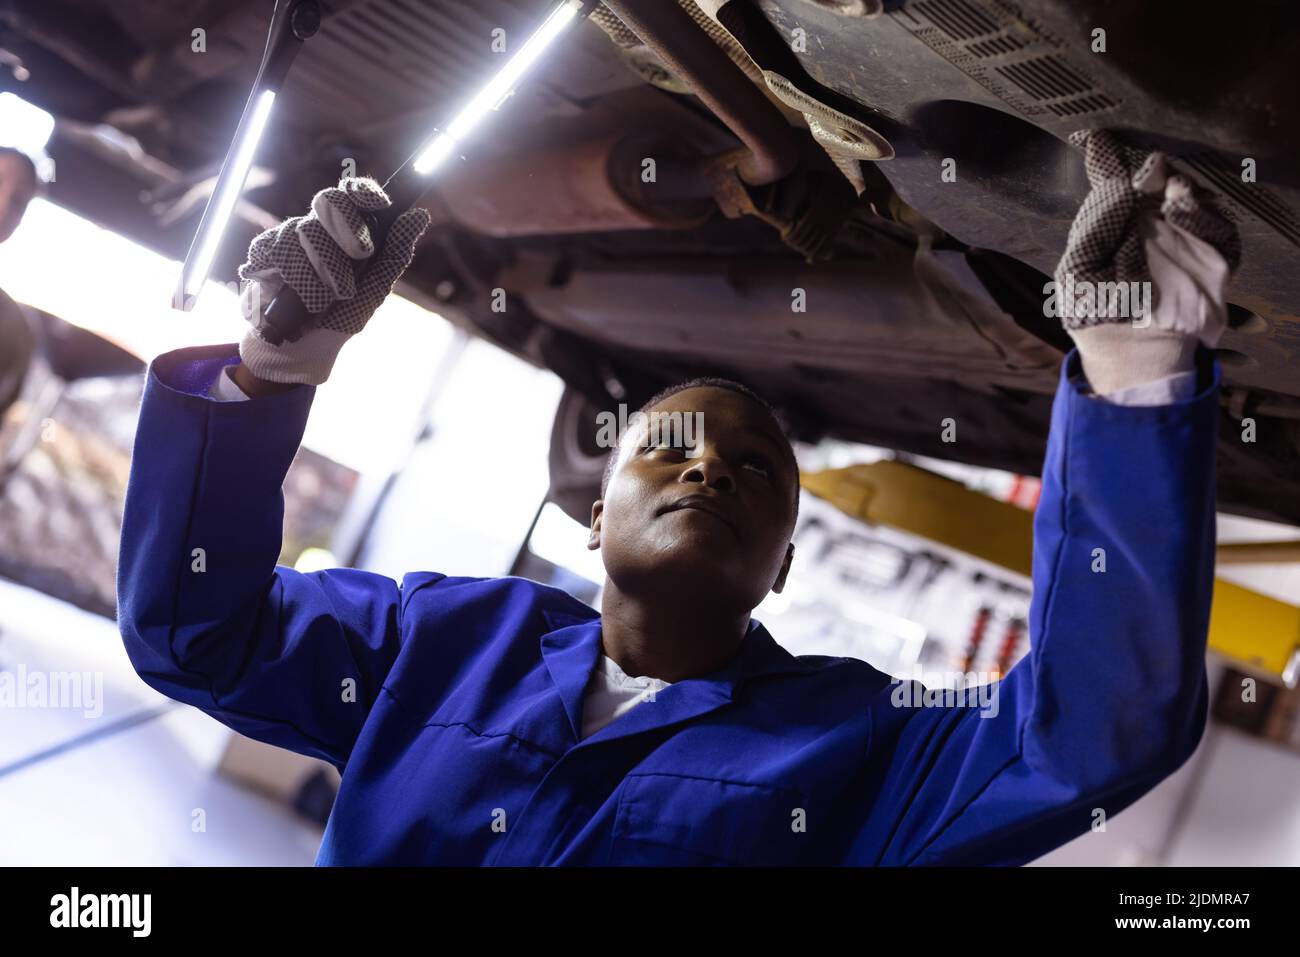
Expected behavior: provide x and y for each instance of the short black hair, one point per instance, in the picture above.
(28, 162)
(705, 382)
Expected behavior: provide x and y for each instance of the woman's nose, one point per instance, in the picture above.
(711, 471)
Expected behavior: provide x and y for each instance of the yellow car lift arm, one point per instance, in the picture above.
(1250, 628)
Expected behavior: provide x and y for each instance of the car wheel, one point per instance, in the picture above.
(576, 461)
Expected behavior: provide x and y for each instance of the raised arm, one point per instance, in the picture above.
(1112, 696)
(206, 614)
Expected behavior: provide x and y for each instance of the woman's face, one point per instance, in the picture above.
(706, 519)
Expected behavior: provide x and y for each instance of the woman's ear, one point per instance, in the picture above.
(785, 569)
(593, 540)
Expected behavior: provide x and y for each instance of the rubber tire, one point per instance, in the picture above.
(576, 462)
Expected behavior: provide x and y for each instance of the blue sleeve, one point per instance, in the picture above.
(1112, 696)
(208, 618)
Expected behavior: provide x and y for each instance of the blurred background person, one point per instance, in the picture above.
(19, 185)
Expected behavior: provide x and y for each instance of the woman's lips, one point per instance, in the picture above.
(700, 503)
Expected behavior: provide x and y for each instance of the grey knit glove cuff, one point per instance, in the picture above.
(324, 257)
(1105, 243)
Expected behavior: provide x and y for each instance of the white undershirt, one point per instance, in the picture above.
(612, 692)
(224, 389)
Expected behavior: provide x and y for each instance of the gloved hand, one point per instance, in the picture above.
(1141, 224)
(321, 256)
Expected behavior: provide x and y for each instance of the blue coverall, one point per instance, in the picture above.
(460, 744)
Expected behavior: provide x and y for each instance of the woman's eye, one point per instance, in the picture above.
(758, 465)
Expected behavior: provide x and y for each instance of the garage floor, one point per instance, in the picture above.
(121, 788)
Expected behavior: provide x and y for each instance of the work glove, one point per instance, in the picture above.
(325, 258)
(1142, 224)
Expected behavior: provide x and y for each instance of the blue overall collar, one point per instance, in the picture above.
(573, 647)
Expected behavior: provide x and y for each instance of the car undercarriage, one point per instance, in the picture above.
(855, 205)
